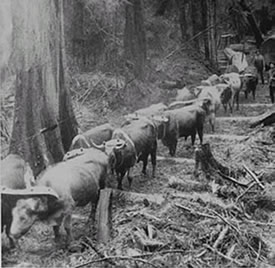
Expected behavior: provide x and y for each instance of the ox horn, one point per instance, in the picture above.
(120, 143)
(100, 147)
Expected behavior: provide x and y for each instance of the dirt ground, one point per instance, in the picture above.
(179, 219)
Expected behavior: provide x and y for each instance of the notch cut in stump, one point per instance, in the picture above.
(209, 165)
(104, 216)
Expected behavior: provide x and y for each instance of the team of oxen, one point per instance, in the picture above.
(104, 150)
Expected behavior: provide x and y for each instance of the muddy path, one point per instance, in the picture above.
(38, 247)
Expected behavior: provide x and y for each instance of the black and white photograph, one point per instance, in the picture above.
(137, 133)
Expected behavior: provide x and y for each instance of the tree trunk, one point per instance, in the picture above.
(212, 17)
(134, 38)
(205, 24)
(254, 27)
(44, 122)
(181, 5)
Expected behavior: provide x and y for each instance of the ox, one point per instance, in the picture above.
(185, 94)
(154, 109)
(95, 135)
(211, 80)
(140, 137)
(15, 174)
(184, 122)
(250, 81)
(218, 94)
(76, 182)
(236, 84)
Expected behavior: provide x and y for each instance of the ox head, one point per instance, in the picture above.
(31, 204)
(74, 153)
(25, 214)
(110, 145)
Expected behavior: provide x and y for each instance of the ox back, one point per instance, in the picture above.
(80, 178)
(97, 135)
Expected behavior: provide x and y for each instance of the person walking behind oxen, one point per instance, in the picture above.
(259, 64)
(271, 73)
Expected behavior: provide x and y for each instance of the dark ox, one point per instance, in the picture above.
(95, 135)
(140, 137)
(250, 83)
(15, 174)
(76, 182)
(184, 122)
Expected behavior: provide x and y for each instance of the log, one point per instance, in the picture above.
(266, 119)
(166, 84)
(138, 197)
(104, 216)
(209, 165)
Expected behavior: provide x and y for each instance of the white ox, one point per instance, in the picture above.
(235, 82)
(218, 94)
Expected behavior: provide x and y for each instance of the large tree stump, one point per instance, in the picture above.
(210, 166)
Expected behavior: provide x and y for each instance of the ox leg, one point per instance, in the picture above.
(154, 162)
(225, 108)
(145, 162)
(212, 121)
(200, 133)
(68, 228)
(237, 100)
(193, 138)
(120, 177)
(253, 93)
(11, 241)
(129, 177)
(56, 228)
(173, 147)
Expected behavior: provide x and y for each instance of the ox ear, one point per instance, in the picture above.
(38, 204)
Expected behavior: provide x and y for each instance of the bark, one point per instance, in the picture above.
(181, 5)
(212, 17)
(134, 38)
(205, 24)
(44, 123)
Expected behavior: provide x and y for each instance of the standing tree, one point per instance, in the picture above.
(44, 123)
(134, 38)
(212, 19)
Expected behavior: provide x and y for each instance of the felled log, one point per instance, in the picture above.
(167, 84)
(138, 197)
(209, 165)
(104, 216)
(187, 185)
(266, 119)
